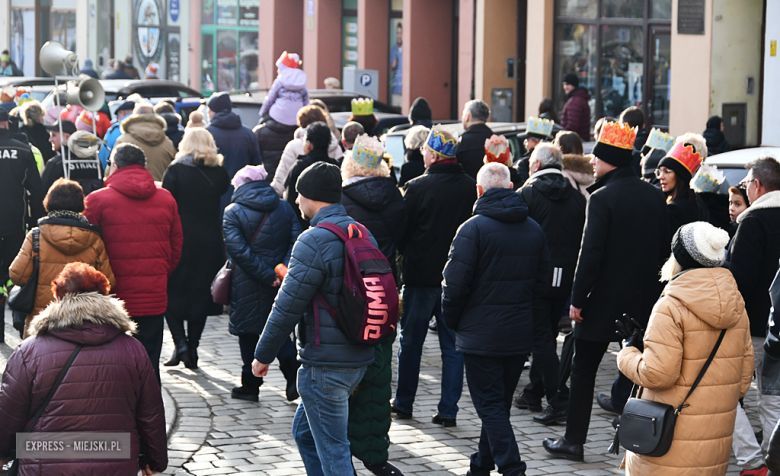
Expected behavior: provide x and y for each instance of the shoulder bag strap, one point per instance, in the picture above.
(54, 387)
(701, 373)
(259, 228)
(36, 241)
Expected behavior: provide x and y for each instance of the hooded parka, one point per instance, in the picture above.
(683, 329)
(110, 387)
(147, 131)
(62, 241)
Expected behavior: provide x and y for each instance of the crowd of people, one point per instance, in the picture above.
(123, 231)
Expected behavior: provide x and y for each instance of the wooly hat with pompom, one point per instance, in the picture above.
(700, 245)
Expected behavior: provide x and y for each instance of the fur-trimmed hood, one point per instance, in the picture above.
(578, 163)
(84, 313)
(768, 200)
(146, 128)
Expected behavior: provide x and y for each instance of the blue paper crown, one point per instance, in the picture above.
(440, 145)
(367, 152)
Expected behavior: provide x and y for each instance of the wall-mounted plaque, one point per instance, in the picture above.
(690, 17)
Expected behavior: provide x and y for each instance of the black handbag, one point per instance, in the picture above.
(13, 470)
(22, 298)
(646, 427)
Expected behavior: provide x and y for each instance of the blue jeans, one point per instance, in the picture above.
(320, 424)
(419, 304)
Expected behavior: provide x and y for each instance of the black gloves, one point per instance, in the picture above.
(631, 332)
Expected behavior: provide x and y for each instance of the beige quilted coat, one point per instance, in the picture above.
(681, 333)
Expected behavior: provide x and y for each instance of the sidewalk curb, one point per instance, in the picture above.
(170, 411)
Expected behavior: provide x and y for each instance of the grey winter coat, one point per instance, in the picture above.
(317, 264)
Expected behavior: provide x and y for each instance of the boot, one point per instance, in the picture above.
(180, 354)
(193, 356)
(289, 367)
(249, 389)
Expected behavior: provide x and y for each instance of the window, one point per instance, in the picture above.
(619, 51)
(229, 39)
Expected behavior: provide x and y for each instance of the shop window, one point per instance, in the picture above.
(229, 34)
(349, 34)
(63, 28)
(577, 8)
(624, 8)
(395, 71)
(622, 67)
(577, 46)
(662, 9)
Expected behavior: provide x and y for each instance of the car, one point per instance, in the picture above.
(337, 100)
(733, 163)
(29, 81)
(386, 120)
(147, 88)
(513, 131)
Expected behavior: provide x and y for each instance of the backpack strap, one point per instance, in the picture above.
(337, 230)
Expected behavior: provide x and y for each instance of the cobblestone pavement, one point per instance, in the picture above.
(214, 434)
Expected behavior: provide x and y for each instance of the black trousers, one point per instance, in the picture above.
(545, 367)
(149, 332)
(195, 326)
(247, 344)
(492, 382)
(587, 358)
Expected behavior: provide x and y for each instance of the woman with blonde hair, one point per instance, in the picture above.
(197, 180)
(32, 114)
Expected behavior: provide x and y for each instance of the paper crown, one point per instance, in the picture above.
(618, 135)
(707, 179)
(362, 107)
(289, 60)
(685, 154)
(659, 140)
(367, 151)
(497, 142)
(539, 127)
(442, 146)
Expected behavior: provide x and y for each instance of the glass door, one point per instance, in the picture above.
(660, 66)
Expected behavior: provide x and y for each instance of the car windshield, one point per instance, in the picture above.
(394, 145)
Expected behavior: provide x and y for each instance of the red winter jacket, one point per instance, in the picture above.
(142, 234)
(576, 113)
(110, 387)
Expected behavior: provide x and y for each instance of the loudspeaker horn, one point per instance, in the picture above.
(88, 94)
(55, 59)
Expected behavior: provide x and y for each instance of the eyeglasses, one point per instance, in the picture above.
(744, 184)
(659, 172)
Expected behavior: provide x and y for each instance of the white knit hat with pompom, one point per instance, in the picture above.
(700, 245)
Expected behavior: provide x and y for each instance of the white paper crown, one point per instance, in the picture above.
(707, 179)
(539, 126)
(659, 140)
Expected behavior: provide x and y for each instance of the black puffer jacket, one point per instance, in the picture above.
(272, 138)
(716, 141)
(560, 211)
(490, 281)
(471, 148)
(18, 172)
(624, 243)
(753, 256)
(252, 295)
(377, 204)
(412, 168)
(437, 203)
(687, 208)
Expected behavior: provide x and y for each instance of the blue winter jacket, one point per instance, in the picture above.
(317, 264)
(237, 143)
(251, 294)
(498, 261)
(112, 134)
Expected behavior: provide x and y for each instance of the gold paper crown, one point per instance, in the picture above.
(618, 135)
(362, 107)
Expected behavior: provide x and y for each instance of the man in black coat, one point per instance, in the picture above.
(272, 138)
(624, 243)
(18, 176)
(755, 250)
(488, 300)
(437, 203)
(471, 149)
(560, 210)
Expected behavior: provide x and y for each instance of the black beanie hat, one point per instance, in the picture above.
(613, 155)
(320, 181)
(679, 169)
(572, 79)
(420, 110)
(650, 162)
(219, 102)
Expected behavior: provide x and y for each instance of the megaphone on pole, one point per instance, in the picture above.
(88, 94)
(55, 59)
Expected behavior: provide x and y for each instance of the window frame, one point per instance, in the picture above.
(213, 29)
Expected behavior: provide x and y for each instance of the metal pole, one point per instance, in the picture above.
(59, 121)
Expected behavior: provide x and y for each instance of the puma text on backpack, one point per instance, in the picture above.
(368, 300)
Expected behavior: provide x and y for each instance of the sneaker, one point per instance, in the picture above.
(755, 472)
(522, 403)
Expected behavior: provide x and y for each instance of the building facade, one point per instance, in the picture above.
(681, 61)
